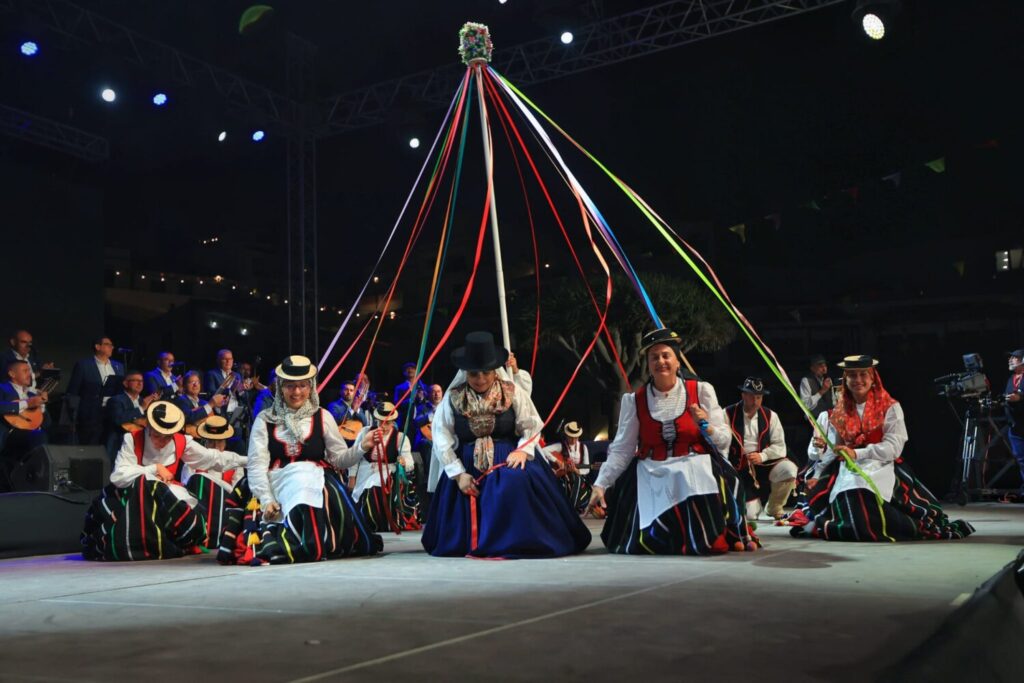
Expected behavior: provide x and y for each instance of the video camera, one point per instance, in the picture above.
(971, 383)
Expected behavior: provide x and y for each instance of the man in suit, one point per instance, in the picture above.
(215, 378)
(94, 381)
(162, 379)
(128, 406)
(16, 396)
(21, 344)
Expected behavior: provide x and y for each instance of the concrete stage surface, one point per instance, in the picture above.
(799, 610)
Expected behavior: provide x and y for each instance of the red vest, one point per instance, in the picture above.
(179, 450)
(652, 441)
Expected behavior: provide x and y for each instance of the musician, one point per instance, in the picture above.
(387, 502)
(217, 378)
(125, 408)
(409, 370)
(162, 379)
(758, 451)
(1015, 410)
(342, 410)
(146, 513)
(16, 396)
(668, 466)
(94, 381)
(570, 459)
(816, 387)
(427, 471)
(21, 348)
(197, 409)
(264, 397)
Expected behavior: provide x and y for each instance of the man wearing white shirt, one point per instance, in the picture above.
(162, 379)
(816, 386)
(17, 396)
(93, 381)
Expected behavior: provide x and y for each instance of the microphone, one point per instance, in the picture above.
(122, 349)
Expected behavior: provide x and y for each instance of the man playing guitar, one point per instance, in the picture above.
(25, 418)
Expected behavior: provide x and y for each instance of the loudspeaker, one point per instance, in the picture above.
(56, 469)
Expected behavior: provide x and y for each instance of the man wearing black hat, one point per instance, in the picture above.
(758, 451)
(816, 387)
(1015, 409)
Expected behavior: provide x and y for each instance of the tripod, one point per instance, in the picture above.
(974, 448)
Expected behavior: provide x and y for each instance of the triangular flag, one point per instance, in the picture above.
(894, 178)
(853, 192)
(937, 165)
(741, 230)
(959, 266)
(775, 219)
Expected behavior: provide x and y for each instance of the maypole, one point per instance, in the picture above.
(475, 47)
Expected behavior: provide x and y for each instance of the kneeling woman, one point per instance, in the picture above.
(212, 488)
(383, 491)
(146, 513)
(494, 498)
(295, 450)
(867, 426)
(675, 493)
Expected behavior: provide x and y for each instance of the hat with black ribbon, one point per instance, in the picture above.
(216, 428)
(295, 368)
(862, 362)
(754, 385)
(165, 418)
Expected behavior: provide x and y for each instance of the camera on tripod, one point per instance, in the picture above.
(971, 383)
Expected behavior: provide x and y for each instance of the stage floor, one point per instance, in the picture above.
(799, 610)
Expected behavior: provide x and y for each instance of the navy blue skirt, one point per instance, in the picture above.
(519, 513)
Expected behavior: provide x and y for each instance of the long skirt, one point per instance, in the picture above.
(398, 505)
(913, 513)
(144, 521)
(577, 490)
(699, 525)
(520, 513)
(307, 534)
(213, 499)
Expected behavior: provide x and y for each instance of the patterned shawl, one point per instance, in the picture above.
(480, 411)
(853, 429)
(280, 414)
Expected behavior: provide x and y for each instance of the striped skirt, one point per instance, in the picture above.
(913, 513)
(700, 525)
(213, 499)
(308, 534)
(398, 504)
(144, 521)
(577, 490)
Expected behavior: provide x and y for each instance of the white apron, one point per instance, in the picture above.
(299, 483)
(663, 484)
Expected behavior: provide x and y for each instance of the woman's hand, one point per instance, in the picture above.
(271, 511)
(517, 460)
(819, 443)
(372, 438)
(467, 485)
(699, 414)
(164, 474)
(811, 483)
(596, 501)
(847, 451)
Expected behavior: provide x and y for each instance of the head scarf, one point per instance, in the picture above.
(853, 429)
(280, 414)
(480, 411)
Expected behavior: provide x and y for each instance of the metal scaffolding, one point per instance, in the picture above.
(53, 135)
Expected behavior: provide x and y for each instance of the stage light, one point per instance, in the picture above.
(160, 99)
(414, 143)
(244, 331)
(29, 48)
(502, 2)
(213, 324)
(257, 135)
(876, 17)
(566, 37)
(223, 136)
(108, 95)
(873, 26)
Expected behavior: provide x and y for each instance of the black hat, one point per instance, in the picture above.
(480, 353)
(660, 336)
(815, 359)
(1018, 354)
(857, 362)
(754, 385)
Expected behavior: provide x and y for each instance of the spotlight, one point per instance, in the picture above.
(414, 143)
(223, 136)
(213, 324)
(873, 26)
(244, 331)
(875, 17)
(257, 135)
(566, 37)
(29, 48)
(502, 2)
(108, 95)
(160, 99)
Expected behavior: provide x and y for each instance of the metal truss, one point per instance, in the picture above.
(81, 27)
(610, 41)
(48, 133)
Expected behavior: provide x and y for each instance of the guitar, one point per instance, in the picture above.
(31, 419)
(135, 425)
(563, 464)
(350, 429)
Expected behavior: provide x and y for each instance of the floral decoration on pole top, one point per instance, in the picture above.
(475, 43)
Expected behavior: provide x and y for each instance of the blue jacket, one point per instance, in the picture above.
(192, 415)
(154, 381)
(120, 409)
(10, 404)
(86, 385)
(341, 412)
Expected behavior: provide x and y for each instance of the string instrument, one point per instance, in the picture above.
(563, 464)
(427, 431)
(350, 429)
(135, 425)
(31, 419)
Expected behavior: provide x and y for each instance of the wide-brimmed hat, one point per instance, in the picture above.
(480, 353)
(165, 418)
(295, 368)
(216, 428)
(660, 336)
(754, 385)
(857, 362)
(1018, 354)
(385, 411)
(572, 429)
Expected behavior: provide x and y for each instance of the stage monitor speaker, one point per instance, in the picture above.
(57, 469)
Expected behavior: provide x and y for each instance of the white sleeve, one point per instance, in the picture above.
(523, 381)
(776, 438)
(810, 398)
(815, 456)
(722, 435)
(444, 439)
(126, 465)
(548, 451)
(259, 462)
(528, 420)
(199, 457)
(622, 450)
(894, 438)
(339, 453)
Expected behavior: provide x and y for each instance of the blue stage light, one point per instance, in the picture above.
(160, 99)
(29, 49)
(257, 135)
(108, 95)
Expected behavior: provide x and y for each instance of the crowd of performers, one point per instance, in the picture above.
(468, 465)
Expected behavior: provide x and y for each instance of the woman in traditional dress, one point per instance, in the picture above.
(146, 513)
(295, 450)
(571, 462)
(383, 491)
(212, 488)
(496, 497)
(867, 426)
(674, 491)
